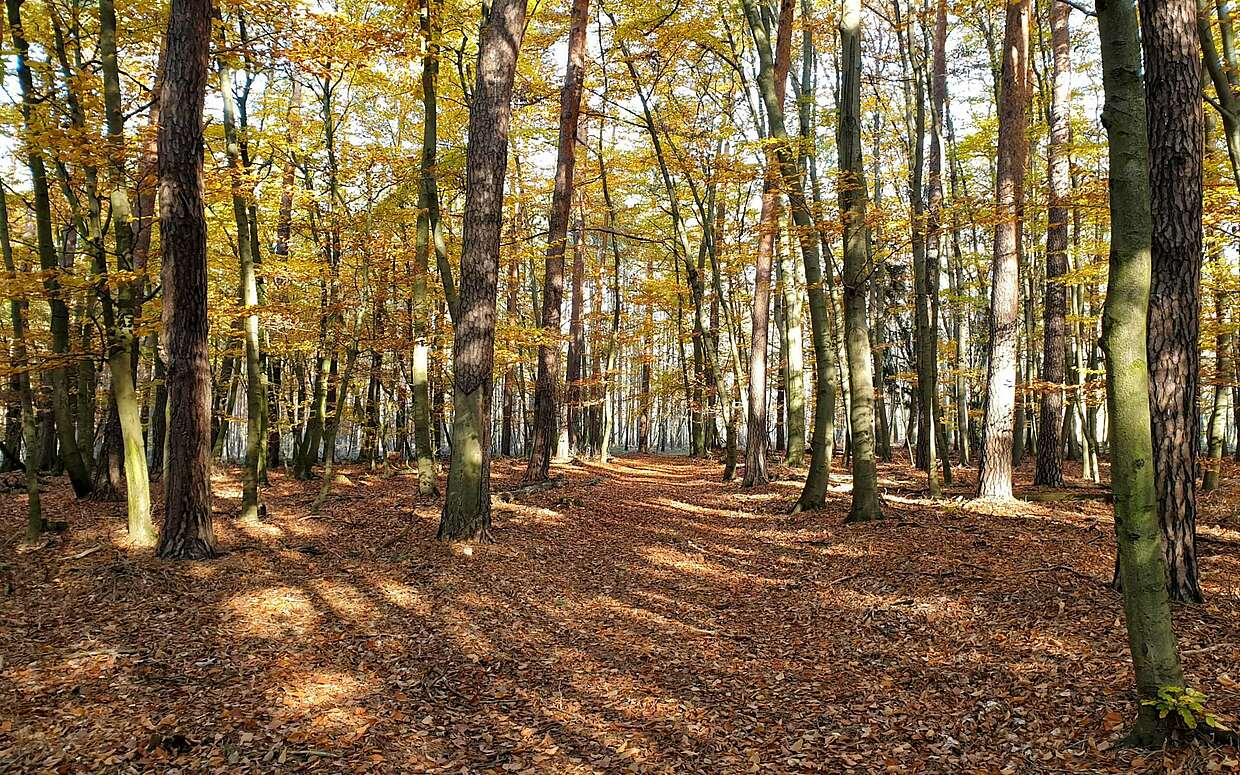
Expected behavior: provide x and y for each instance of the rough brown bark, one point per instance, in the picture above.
(187, 531)
(1049, 470)
(1176, 137)
(467, 503)
(546, 408)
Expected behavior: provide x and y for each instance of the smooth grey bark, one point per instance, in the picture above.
(853, 199)
(995, 479)
(813, 494)
(1142, 566)
(429, 237)
(121, 341)
(18, 311)
(255, 390)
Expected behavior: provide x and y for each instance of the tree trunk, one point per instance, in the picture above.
(995, 479)
(576, 346)
(611, 377)
(109, 469)
(794, 363)
(546, 401)
(284, 229)
(255, 390)
(935, 238)
(1049, 470)
(333, 425)
(429, 236)
(18, 311)
(159, 411)
(813, 494)
(467, 505)
(853, 195)
(1155, 652)
(187, 531)
(1222, 398)
(1176, 138)
(508, 411)
(71, 455)
(768, 224)
(645, 419)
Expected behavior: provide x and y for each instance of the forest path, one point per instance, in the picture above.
(646, 617)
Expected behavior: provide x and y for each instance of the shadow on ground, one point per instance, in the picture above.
(645, 618)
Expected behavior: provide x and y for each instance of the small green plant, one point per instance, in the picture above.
(1187, 703)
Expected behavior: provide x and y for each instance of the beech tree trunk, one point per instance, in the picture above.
(853, 195)
(255, 390)
(1221, 405)
(995, 479)
(119, 314)
(573, 400)
(429, 237)
(187, 531)
(937, 233)
(813, 495)
(925, 249)
(18, 312)
(768, 224)
(284, 229)
(467, 504)
(1147, 613)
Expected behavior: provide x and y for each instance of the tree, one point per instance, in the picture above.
(853, 196)
(1216, 437)
(71, 456)
(1224, 71)
(768, 224)
(995, 480)
(18, 311)
(429, 237)
(247, 251)
(813, 495)
(546, 404)
(926, 242)
(187, 532)
(119, 316)
(1049, 470)
(1176, 141)
(1155, 652)
(467, 504)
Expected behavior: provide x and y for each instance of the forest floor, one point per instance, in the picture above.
(644, 618)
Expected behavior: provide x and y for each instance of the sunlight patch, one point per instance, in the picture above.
(405, 597)
(687, 563)
(691, 508)
(347, 601)
(276, 612)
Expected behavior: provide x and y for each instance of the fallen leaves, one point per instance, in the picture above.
(642, 617)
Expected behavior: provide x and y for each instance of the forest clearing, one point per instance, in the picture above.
(642, 618)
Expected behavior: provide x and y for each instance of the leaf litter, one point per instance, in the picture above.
(643, 617)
